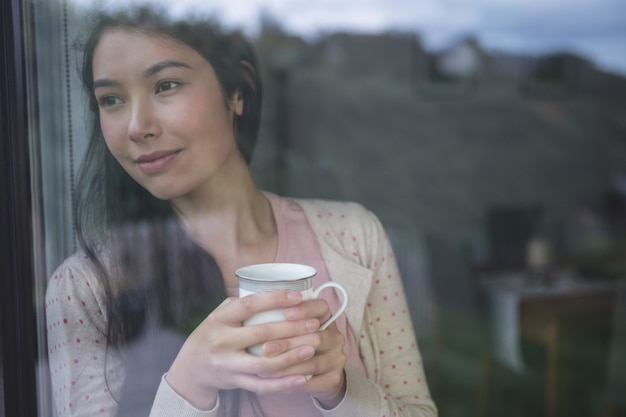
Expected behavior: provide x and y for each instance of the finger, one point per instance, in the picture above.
(262, 333)
(262, 386)
(318, 365)
(236, 310)
(278, 347)
(321, 341)
(272, 367)
(311, 308)
(328, 347)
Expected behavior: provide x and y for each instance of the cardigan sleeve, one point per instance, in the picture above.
(389, 344)
(395, 384)
(86, 375)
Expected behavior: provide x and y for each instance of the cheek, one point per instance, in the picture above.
(112, 133)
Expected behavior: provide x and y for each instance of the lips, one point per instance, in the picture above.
(156, 161)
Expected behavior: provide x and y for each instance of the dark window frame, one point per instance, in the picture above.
(17, 315)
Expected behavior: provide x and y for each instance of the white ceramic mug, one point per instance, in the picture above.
(282, 276)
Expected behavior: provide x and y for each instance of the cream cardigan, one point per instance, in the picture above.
(357, 255)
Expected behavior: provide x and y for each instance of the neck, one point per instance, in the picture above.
(233, 222)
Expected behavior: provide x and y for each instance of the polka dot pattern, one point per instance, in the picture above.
(76, 331)
(386, 339)
(396, 385)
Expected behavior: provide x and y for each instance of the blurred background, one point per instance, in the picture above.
(488, 136)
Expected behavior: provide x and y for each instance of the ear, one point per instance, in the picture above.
(237, 102)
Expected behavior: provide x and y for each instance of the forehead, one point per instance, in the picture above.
(121, 50)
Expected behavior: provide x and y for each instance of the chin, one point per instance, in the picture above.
(164, 193)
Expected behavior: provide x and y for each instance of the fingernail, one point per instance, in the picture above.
(300, 382)
(294, 295)
(312, 324)
(290, 312)
(270, 348)
(306, 352)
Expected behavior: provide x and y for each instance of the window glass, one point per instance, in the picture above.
(495, 164)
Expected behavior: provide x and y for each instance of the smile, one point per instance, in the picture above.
(156, 161)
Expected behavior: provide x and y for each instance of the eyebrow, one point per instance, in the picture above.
(151, 71)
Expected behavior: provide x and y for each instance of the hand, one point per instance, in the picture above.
(327, 384)
(213, 357)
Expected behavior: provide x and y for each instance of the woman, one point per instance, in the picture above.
(176, 109)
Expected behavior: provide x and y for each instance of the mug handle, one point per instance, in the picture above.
(344, 301)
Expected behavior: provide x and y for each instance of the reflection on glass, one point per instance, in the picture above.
(138, 320)
(456, 149)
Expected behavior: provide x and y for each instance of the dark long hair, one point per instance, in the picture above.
(109, 202)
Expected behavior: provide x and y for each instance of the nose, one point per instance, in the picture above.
(144, 123)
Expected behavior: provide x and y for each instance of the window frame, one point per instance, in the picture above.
(17, 312)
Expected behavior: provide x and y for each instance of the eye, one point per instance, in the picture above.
(164, 86)
(109, 101)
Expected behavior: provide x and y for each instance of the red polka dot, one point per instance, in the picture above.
(77, 340)
(65, 321)
(69, 298)
(405, 382)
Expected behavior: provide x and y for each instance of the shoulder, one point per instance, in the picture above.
(346, 227)
(336, 213)
(76, 277)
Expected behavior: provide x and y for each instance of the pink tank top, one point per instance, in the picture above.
(297, 243)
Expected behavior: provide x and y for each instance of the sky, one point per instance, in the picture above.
(595, 29)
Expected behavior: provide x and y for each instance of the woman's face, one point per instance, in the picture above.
(163, 113)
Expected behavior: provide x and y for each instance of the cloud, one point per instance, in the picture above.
(595, 27)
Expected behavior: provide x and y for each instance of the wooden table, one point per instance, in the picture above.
(550, 316)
